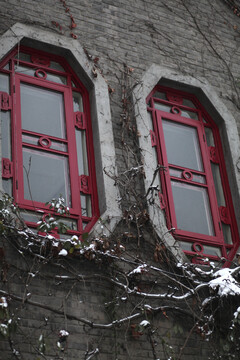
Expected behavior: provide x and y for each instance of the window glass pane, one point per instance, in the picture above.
(32, 72)
(188, 103)
(56, 66)
(209, 136)
(6, 134)
(218, 184)
(189, 114)
(163, 107)
(30, 216)
(186, 245)
(45, 107)
(4, 83)
(7, 67)
(81, 152)
(169, 108)
(22, 56)
(227, 233)
(57, 79)
(212, 250)
(77, 102)
(182, 145)
(179, 173)
(46, 176)
(70, 223)
(207, 250)
(160, 95)
(24, 70)
(34, 140)
(86, 205)
(192, 208)
(84, 224)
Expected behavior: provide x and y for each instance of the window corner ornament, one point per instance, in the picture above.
(80, 120)
(5, 101)
(224, 215)
(213, 154)
(7, 168)
(84, 184)
(40, 60)
(153, 138)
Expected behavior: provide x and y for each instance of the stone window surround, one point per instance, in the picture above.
(157, 74)
(104, 149)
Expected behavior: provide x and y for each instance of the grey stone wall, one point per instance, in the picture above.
(50, 298)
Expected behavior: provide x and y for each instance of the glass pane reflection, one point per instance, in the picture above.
(179, 174)
(182, 145)
(218, 184)
(192, 208)
(86, 205)
(45, 107)
(4, 83)
(81, 152)
(46, 176)
(6, 134)
(77, 102)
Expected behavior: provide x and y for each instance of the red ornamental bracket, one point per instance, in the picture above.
(80, 122)
(162, 201)
(199, 250)
(174, 98)
(7, 168)
(224, 215)
(153, 138)
(84, 184)
(5, 101)
(39, 60)
(213, 154)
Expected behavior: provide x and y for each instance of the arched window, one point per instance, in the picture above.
(47, 147)
(194, 186)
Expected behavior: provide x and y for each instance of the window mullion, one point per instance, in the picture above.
(210, 182)
(73, 168)
(167, 180)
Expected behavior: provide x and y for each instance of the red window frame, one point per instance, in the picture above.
(173, 106)
(42, 73)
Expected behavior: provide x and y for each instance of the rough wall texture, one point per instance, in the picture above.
(197, 38)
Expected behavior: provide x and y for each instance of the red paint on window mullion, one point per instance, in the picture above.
(70, 133)
(12, 93)
(171, 104)
(91, 159)
(17, 144)
(40, 66)
(210, 183)
(41, 53)
(40, 148)
(186, 181)
(160, 161)
(226, 190)
(168, 187)
(163, 172)
(27, 132)
(194, 172)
